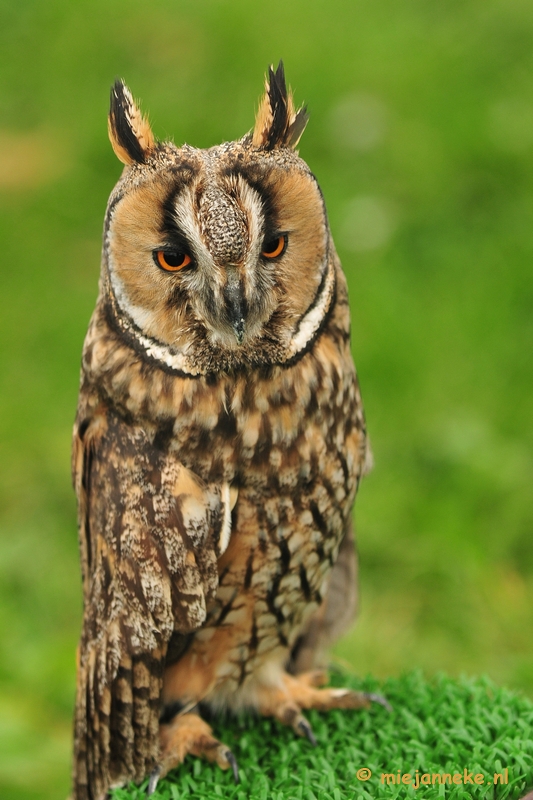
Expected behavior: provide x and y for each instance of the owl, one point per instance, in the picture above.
(218, 445)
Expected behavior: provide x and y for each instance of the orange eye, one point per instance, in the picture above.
(171, 261)
(274, 247)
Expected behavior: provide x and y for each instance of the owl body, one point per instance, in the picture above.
(219, 438)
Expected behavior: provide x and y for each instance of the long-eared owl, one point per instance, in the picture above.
(218, 446)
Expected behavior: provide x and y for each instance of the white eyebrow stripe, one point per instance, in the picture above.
(254, 206)
(186, 220)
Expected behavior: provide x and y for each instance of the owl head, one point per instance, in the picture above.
(220, 258)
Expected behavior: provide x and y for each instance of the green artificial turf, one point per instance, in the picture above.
(443, 726)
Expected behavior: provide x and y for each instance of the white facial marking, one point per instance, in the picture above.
(309, 324)
(134, 319)
(225, 531)
(252, 202)
(142, 317)
(186, 220)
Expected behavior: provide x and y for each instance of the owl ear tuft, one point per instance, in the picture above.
(277, 124)
(130, 133)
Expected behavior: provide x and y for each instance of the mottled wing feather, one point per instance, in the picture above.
(149, 531)
(335, 614)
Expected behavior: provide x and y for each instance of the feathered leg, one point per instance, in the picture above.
(188, 734)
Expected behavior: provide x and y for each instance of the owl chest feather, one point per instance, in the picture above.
(291, 440)
(296, 464)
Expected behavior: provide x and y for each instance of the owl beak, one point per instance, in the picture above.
(235, 303)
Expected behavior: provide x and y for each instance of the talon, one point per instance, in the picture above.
(341, 692)
(154, 780)
(233, 764)
(377, 698)
(306, 730)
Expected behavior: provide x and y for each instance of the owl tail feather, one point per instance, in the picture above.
(116, 726)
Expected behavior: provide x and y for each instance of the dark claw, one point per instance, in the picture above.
(307, 731)
(154, 779)
(234, 766)
(377, 698)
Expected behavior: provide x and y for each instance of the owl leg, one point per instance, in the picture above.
(188, 734)
(286, 703)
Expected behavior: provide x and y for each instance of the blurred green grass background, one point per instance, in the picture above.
(421, 136)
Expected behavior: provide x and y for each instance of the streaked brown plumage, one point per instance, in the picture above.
(218, 446)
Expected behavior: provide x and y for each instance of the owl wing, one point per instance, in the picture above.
(335, 614)
(150, 536)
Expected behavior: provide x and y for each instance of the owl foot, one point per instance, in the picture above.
(188, 734)
(316, 677)
(299, 692)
